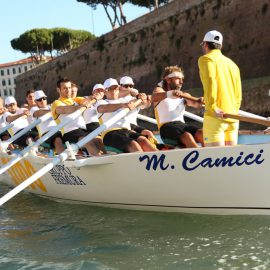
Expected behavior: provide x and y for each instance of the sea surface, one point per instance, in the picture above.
(37, 233)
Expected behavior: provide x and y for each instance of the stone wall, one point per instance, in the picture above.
(168, 36)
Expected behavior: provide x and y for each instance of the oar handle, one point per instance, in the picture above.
(248, 119)
(195, 99)
(116, 117)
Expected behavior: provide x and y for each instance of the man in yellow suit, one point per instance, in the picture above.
(221, 81)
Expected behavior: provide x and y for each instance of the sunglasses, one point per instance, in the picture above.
(40, 99)
(128, 85)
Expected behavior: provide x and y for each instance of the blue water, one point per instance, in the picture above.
(37, 233)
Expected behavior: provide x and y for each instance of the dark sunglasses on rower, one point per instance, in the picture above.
(128, 85)
(40, 99)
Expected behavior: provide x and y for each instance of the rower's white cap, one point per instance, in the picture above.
(213, 36)
(110, 82)
(10, 100)
(98, 86)
(39, 94)
(126, 80)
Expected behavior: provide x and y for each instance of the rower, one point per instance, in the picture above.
(65, 105)
(120, 135)
(30, 99)
(90, 114)
(170, 107)
(128, 92)
(19, 118)
(3, 136)
(43, 108)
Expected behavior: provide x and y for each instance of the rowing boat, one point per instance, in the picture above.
(215, 180)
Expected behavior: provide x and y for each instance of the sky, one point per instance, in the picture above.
(18, 16)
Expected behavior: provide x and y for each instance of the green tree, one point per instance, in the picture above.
(35, 42)
(116, 6)
(40, 41)
(149, 3)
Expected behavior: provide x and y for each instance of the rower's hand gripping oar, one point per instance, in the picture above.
(63, 156)
(69, 118)
(4, 144)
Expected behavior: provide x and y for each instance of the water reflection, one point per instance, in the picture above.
(37, 233)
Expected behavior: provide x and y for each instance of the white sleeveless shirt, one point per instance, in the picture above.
(19, 123)
(132, 115)
(170, 109)
(46, 125)
(103, 117)
(78, 123)
(90, 115)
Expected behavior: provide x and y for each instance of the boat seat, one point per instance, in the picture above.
(46, 145)
(113, 149)
(170, 142)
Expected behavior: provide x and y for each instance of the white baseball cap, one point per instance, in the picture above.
(110, 82)
(98, 86)
(213, 36)
(10, 100)
(39, 94)
(126, 80)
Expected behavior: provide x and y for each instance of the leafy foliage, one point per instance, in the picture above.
(38, 41)
(149, 3)
(116, 6)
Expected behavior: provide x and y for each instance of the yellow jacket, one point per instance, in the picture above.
(221, 81)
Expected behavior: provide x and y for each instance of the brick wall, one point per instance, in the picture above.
(170, 35)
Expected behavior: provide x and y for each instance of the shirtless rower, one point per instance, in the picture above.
(170, 108)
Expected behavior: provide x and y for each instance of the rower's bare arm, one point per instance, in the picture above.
(194, 103)
(111, 107)
(12, 118)
(158, 95)
(39, 113)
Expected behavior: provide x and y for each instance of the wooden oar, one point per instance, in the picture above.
(186, 96)
(4, 144)
(248, 114)
(243, 116)
(63, 156)
(248, 119)
(69, 118)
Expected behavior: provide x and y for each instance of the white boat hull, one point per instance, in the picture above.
(186, 181)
